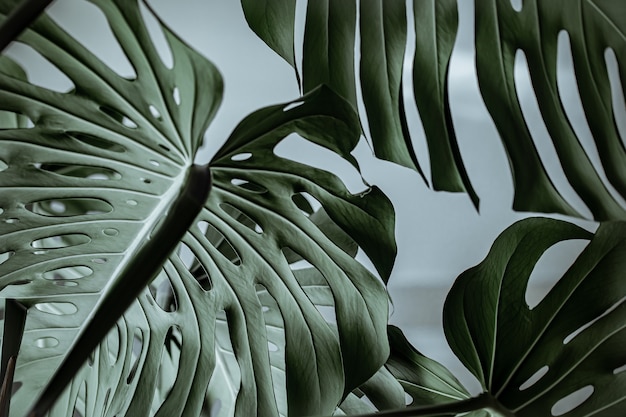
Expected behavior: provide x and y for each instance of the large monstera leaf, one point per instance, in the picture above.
(94, 198)
(593, 27)
(566, 353)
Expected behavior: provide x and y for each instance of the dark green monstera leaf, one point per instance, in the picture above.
(99, 191)
(593, 26)
(501, 31)
(566, 354)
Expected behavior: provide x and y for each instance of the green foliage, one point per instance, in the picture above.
(139, 283)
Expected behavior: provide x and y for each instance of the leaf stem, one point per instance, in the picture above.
(146, 263)
(19, 19)
(482, 401)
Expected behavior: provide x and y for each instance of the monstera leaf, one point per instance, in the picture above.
(101, 197)
(501, 31)
(564, 354)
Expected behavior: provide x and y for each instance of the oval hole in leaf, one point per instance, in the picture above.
(176, 96)
(68, 207)
(408, 400)
(82, 171)
(57, 308)
(113, 345)
(46, 342)
(571, 401)
(244, 156)
(295, 261)
(541, 372)
(193, 264)
(163, 292)
(97, 142)
(61, 241)
(549, 269)
(3, 166)
(306, 203)
(68, 272)
(618, 99)
(248, 185)
(217, 239)
(578, 331)
(5, 256)
(118, 117)
(158, 39)
(241, 217)
(92, 20)
(272, 347)
(136, 349)
(154, 112)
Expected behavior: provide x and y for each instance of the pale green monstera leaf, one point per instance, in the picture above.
(101, 196)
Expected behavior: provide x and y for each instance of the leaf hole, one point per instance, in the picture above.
(131, 202)
(92, 20)
(272, 347)
(5, 256)
(241, 217)
(57, 308)
(408, 399)
(617, 93)
(118, 117)
(227, 365)
(61, 241)
(293, 105)
(81, 171)
(163, 293)
(46, 342)
(248, 185)
(165, 148)
(549, 269)
(176, 96)
(572, 401)
(517, 5)
(619, 369)
(99, 261)
(296, 148)
(306, 203)
(581, 329)
(219, 242)
(146, 180)
(69, 207)
(97, 142)
(41, 72)
(195, 267)
(68, 272)
(136, 348)
(155, 113)
(154, 163)
(3, 167)
(159, 41)
(244, 156)
(534, 378)
(11, 220)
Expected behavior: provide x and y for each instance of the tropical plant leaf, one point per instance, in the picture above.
(530, 360)
(97, 181)
(592, 26)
